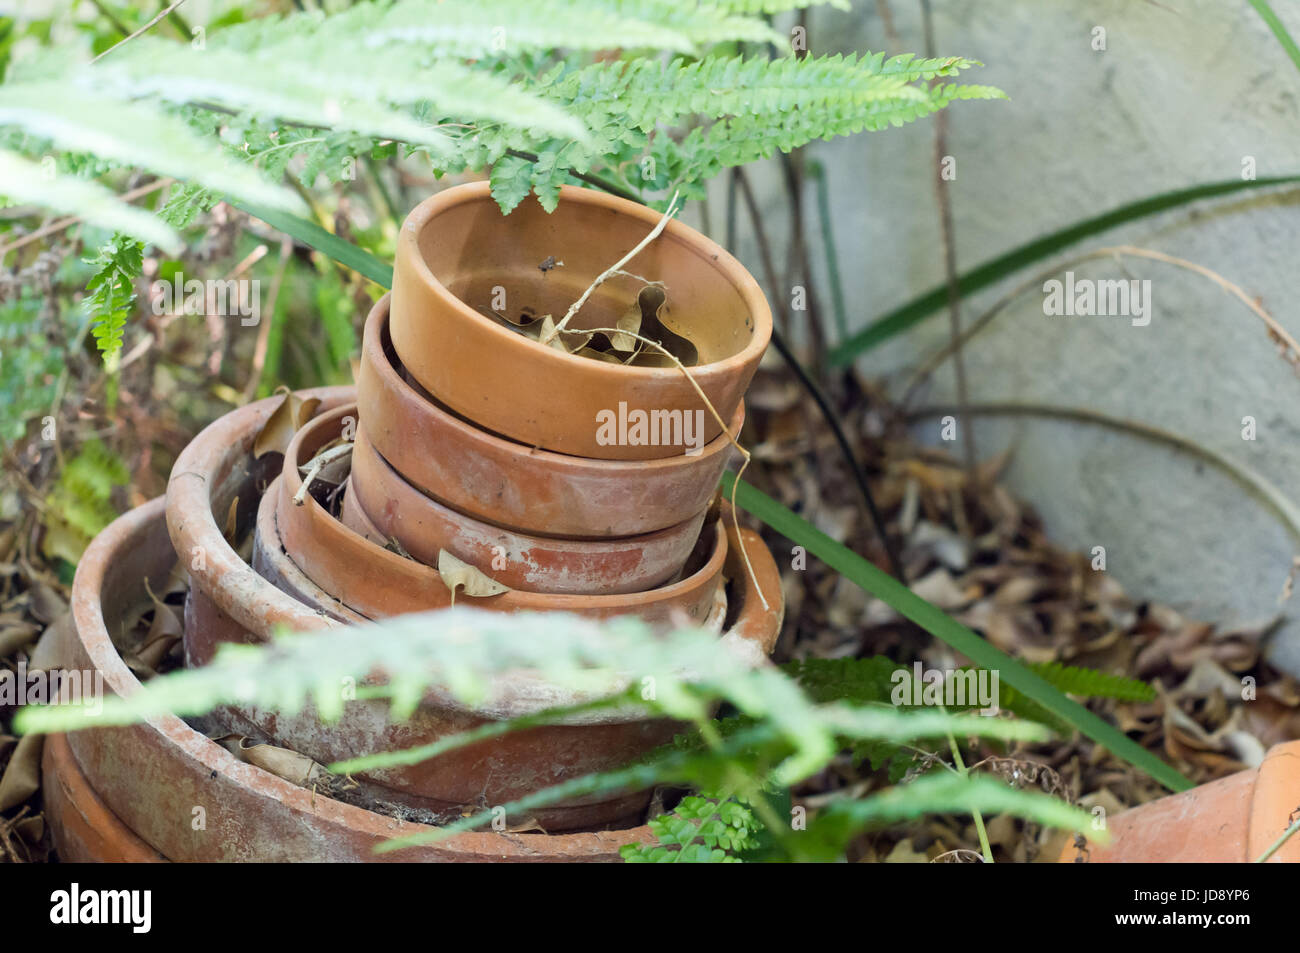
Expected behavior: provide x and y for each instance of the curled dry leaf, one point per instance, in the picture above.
(457, 574)
(22, 775)
(284, 763)
(619, 345)
(289, 415)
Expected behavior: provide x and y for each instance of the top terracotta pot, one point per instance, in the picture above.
(457, 253)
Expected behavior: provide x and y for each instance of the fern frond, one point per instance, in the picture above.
(945, 792)
(344, 86)
(1092, 683)
(80, 498)
(112, 290)
(704, 829)
(24, 181)
(86, 121)
(709, 768)
(470, 29)
(459, 651)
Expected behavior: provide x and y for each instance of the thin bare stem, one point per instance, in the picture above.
(1289, 345)
(730, 437)
(615, 269)
(64, 223)
(319, 461)
(950, 259)
(144, 29)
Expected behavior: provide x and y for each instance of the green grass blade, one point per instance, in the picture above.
(312, 235)
(1269, 17)
(905, 316)
(939, 624)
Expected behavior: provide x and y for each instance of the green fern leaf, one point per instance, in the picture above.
(133, 135)
(24, 181)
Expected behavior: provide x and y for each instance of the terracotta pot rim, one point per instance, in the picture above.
(558, 362)
(659, 491)
(374, 337)
(324, 526)
(91, 631)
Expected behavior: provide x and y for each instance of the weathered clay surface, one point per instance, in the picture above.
(424, 527)
(516, 486)
(156, 776)
(1232, 820)
(377, 582)
(84, 830)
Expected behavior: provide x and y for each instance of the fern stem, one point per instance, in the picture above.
(144, 29)
(594, 180)
(985, 847)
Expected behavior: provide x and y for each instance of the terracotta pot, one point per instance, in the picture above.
(425, 527)
(354, 517)
(207, 626)
(84, 830)
(155, 776)
(501, 770)
(455, 248)
(377, 582)
(215, 470)
(1232, 820)
(516, 486)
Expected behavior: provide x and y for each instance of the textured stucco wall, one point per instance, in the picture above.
(1183, 91)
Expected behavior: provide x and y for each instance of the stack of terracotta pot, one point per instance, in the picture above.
(466, 439)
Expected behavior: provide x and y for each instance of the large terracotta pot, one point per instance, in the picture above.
(1232, 820)
(189, 799)
(83, 829)
(455, 248)
(517, 486)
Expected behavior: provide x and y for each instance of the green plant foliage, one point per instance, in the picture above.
(24, 181)
(32, 355)
(1039, 249)
(112, 290)
(460, 651)
(734, 109)
(80, 505)
(699, 830)
(911, 606)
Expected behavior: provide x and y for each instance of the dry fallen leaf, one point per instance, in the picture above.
(284, 763)
(291, 413)
(457, 574)
(22, 775)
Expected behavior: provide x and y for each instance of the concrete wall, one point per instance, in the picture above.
(1184, 90)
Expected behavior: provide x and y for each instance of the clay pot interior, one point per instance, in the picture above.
(587, 239)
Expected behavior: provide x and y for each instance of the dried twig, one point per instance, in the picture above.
(614, 269)
(144, 29)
